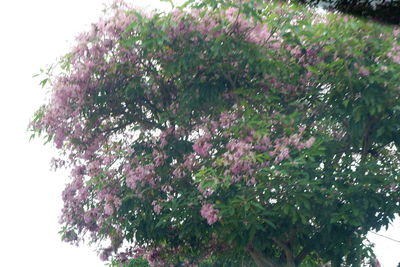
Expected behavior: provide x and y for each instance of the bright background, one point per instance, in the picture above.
(34, 34)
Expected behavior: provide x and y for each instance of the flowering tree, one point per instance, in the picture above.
(227, 134)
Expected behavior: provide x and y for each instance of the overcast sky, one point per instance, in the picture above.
(33, 35)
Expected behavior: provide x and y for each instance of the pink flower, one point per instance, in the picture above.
(178, 173)
(208, 212)
(190, 161)
(142, 173)
(284, 154)
(205, 192)
(363, 71)
(227, 119)
(108, 209)
(157, 209)
(106, 254)
(309, 142)
(159, 158)
(163, 139)
(201, 147)
(396, 32)
(166, 188)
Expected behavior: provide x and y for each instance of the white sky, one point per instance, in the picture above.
(34, 34)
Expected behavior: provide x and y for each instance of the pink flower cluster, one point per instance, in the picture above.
(112, 203)
(140, 174)
(208, 212)
(228, 119)
(232, 20)
(202, 147)
(238, 157)
(394, 54)
(281, 150)
(156, 207)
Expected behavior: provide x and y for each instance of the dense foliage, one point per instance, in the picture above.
(384, 11)
(228, 134)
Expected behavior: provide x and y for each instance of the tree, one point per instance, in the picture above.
(385, 11)
(228, 134)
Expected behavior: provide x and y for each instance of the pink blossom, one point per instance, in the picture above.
(231, 12)
(396, 58)
(205, 192)
(251, 181)
(259, 34)
(178, 173)
(140, 174)
(227, 119)
(208, 212)
(88, 217)
(283, 154)
(263, 144)
(309, 142)
(106, 254)
(396, 31)
(93, 168)
(163, 139)
(156, 207)
(190, 161)
(363, 71)
(159, 157)
(202, 148)
(108, 209)
(295, 140)
(166, 188)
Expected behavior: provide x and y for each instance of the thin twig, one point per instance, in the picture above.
(398, 241)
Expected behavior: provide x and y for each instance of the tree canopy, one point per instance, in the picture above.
(384, 11)
(227, 133)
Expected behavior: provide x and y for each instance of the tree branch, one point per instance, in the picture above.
(288, 252)
(259, 259)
